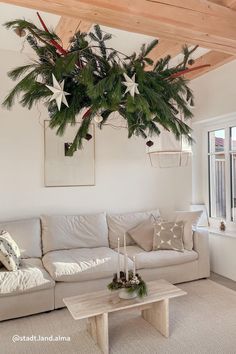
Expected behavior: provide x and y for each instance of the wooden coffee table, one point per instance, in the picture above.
(97, 305)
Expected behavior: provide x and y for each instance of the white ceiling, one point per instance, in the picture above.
(123, 41)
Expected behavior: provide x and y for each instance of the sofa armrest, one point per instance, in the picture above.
(201, 240)
(201, 246)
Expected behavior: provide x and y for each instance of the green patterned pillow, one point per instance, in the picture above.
(9, 252)
(168, 236)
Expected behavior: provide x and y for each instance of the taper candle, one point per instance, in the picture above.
(126, 268)
(118, 266)
(134, 266)
(124, 243)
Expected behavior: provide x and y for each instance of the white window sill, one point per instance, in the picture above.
(226, 233)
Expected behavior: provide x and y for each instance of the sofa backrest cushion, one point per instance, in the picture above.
(190, 219)
(74, 231)
(27, 234)
(120, 224)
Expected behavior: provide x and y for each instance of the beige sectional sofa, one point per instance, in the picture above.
(68, 255)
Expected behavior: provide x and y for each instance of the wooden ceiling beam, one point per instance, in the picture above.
(68, 26)
(192, 21)
(227, 3)
(165, 47)
(215, 59)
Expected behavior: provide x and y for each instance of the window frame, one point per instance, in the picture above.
(231, 153)
(200, 164)
(227, 171)
(218, 125)
(215, 153)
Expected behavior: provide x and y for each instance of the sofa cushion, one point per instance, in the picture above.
(30, 277)
(132, 250)
(190, 219)
(79, 231)
(119, 224)
(26, 233)
(82, 264)
(9, 252)
(162, 258)
(143, 234)
(168, 236)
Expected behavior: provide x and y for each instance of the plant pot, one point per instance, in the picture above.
(124, 294)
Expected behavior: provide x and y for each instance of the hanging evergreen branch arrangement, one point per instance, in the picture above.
(98, 80)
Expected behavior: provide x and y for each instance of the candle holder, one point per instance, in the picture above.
(130, 288)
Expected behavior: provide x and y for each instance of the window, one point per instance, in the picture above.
(222, 173)
(216, 151)
(233, 172)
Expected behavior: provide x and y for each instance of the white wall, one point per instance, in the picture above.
(125, 181)
(215, 92)
(222, 254)
(215, 95)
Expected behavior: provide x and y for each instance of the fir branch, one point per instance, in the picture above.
(93, 74)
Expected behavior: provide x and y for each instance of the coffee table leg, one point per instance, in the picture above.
(98, 329)
(158, 316)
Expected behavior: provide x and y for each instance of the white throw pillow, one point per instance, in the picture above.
(119, 224)
(190, 219)
(9, 252)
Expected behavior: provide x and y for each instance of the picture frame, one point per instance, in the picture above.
(62, 170)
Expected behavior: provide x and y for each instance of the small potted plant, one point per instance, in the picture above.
(130, 287)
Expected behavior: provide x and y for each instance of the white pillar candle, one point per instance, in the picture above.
(134, 266)
(126, 268)
(118, 265)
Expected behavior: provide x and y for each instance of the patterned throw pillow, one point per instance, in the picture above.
(168, 236)
(9, 252)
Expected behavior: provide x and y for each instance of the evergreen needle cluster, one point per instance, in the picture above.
(94, 76)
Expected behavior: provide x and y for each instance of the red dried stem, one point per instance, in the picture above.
(186, 71)
(52, 41)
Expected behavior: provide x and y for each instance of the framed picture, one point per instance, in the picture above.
(61, 170)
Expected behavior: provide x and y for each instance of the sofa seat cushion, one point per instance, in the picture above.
(161, 258)
(30, 277)
(82, 264)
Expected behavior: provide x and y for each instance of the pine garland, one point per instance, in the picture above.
(134, 284)
(94, 77)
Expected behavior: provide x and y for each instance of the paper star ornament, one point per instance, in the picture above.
(131, 85)
(58, 92)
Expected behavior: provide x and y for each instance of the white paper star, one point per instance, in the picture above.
(132, 86)
(58, 92)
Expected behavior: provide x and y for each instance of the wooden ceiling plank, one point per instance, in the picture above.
(192, 21)
(227, 3)
(215, 59)
(68, 26)
(165, 47)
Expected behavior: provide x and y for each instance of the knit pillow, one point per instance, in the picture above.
(168, 236)
(9, 252)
